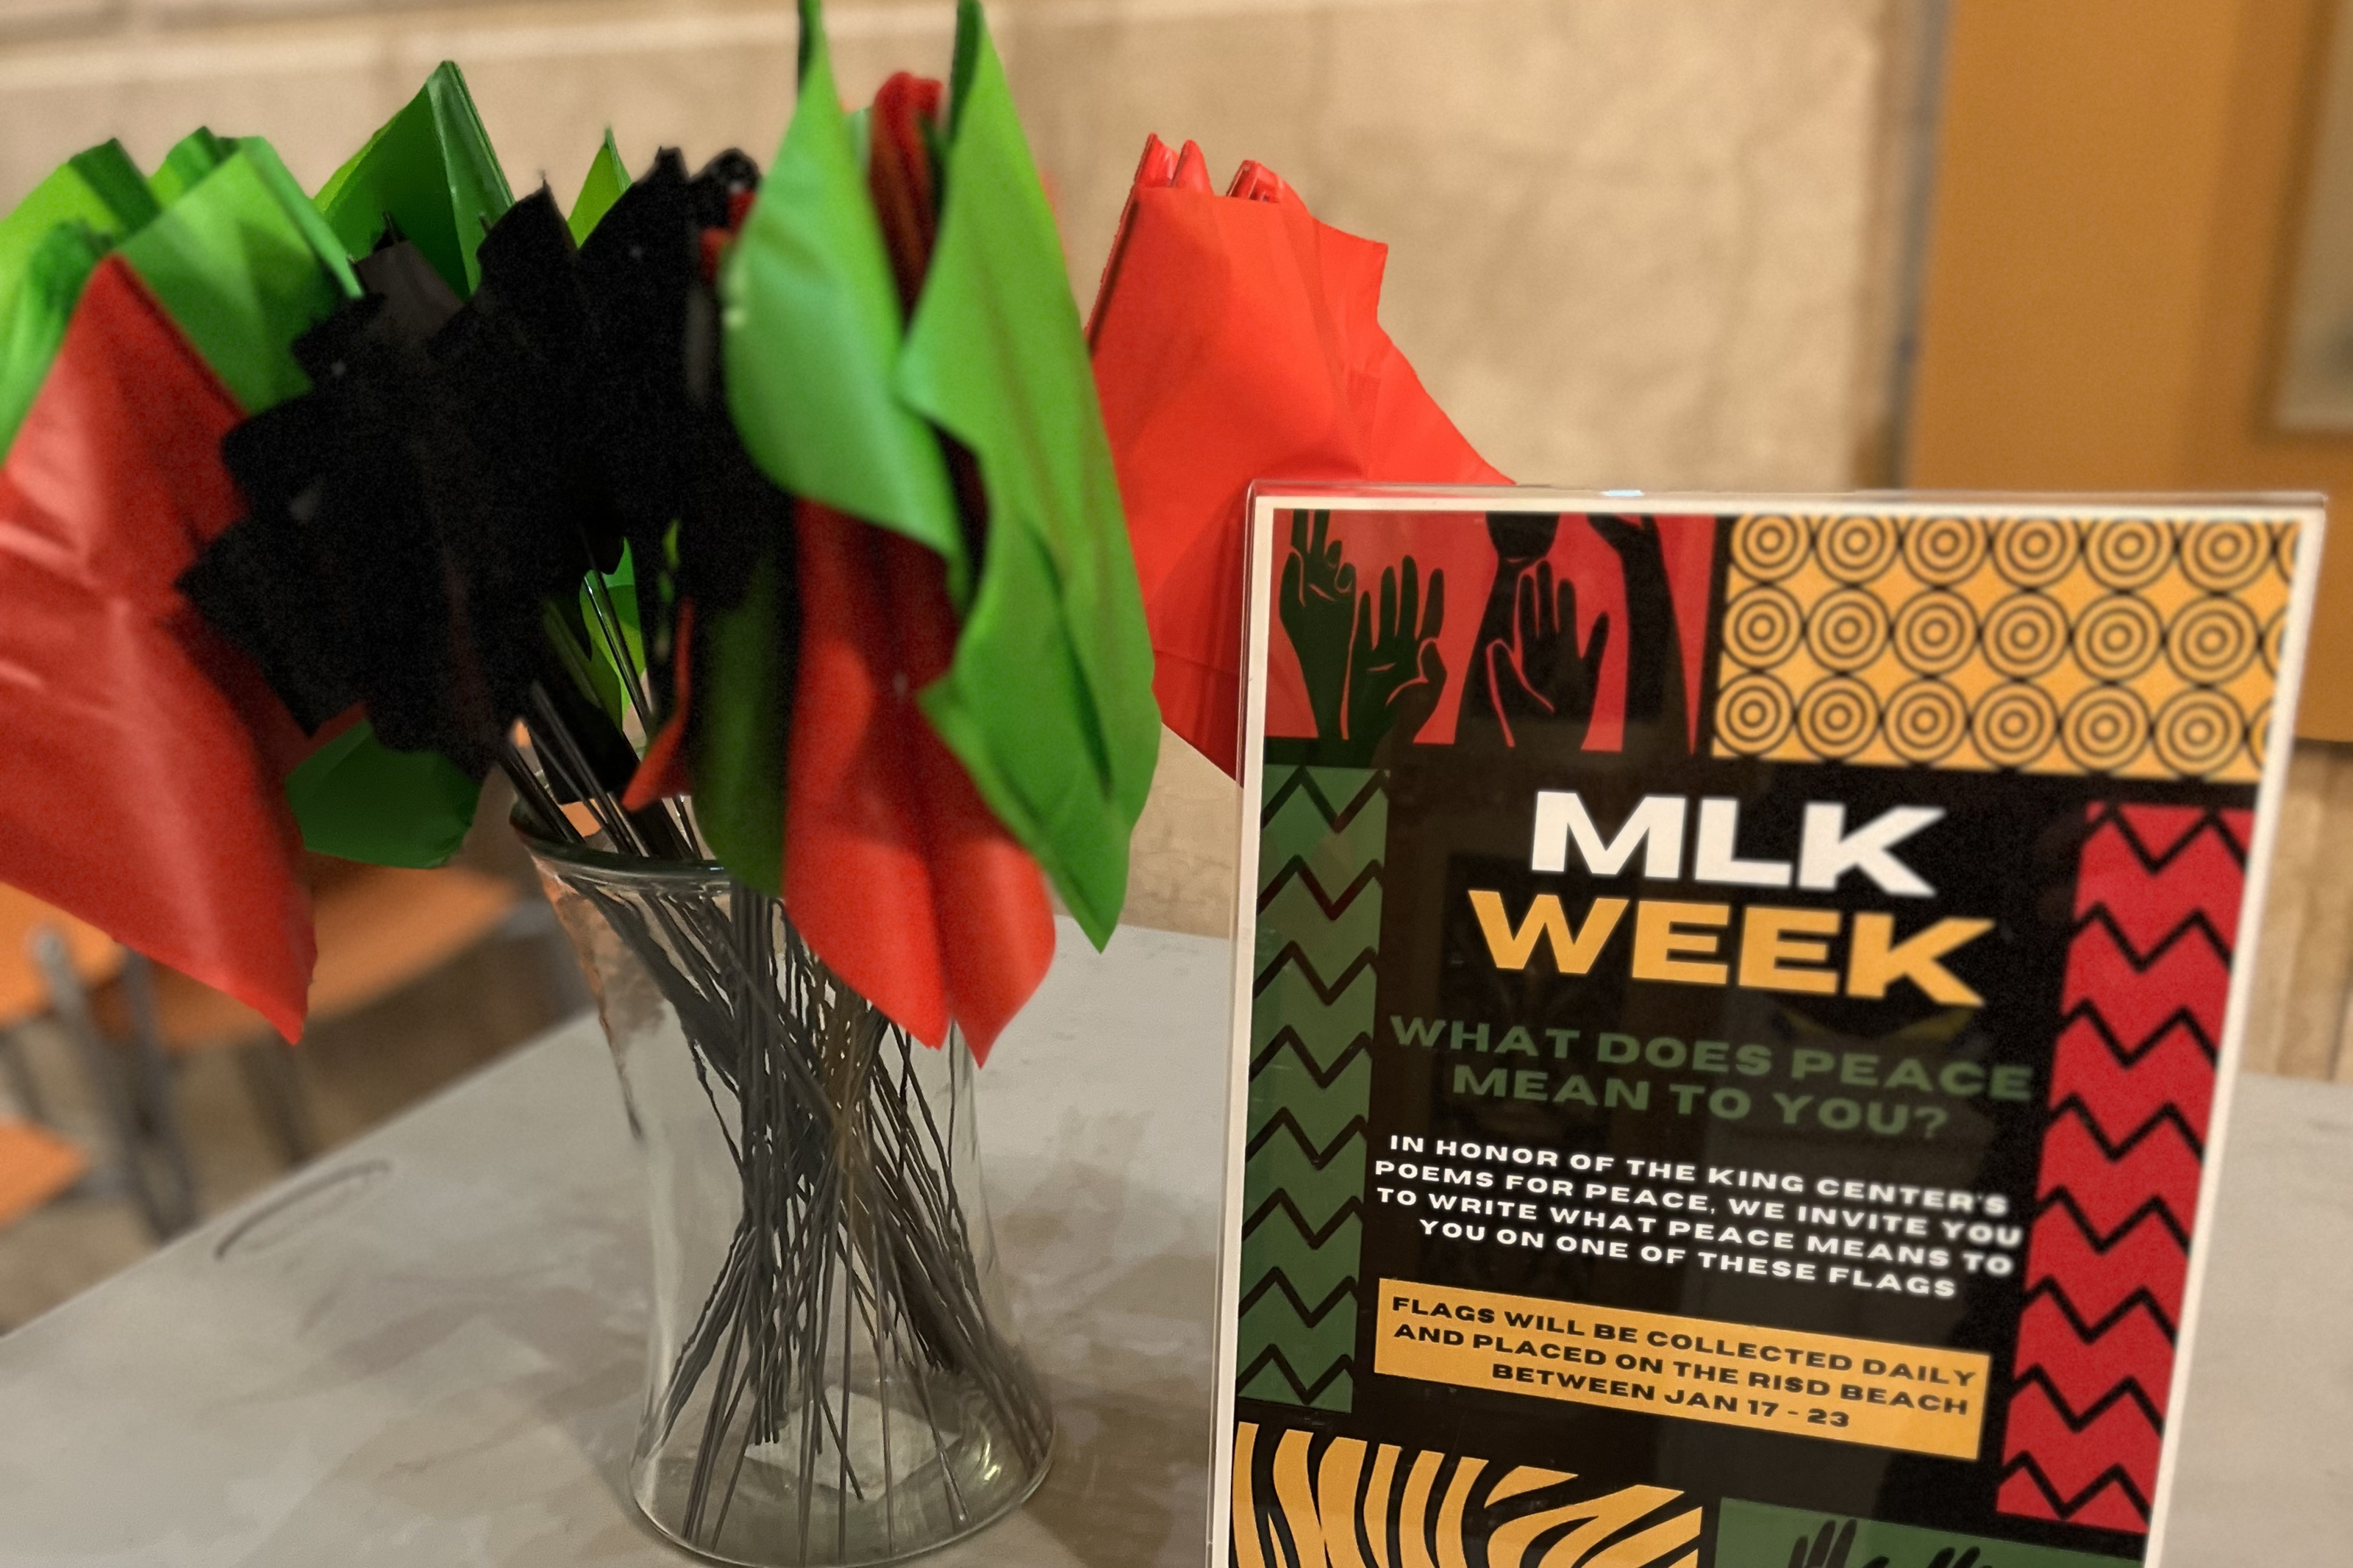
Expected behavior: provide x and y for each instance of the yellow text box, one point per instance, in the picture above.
(1871, 1392)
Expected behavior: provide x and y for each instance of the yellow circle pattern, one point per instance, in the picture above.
(2136, 646)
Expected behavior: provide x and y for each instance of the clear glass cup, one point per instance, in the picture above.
(831, 1377)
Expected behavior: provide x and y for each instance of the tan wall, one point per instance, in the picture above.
(2118, 203)
(1633, 242)
(1631, 239)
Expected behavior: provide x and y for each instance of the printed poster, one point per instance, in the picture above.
(1735, 1004)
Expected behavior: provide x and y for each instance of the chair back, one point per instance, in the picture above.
(94, 955)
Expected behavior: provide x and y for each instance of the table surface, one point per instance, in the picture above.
(426, 1349)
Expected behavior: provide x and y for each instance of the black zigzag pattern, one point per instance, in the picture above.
(2157, 900)
(1321, 838)
(1289, 1042)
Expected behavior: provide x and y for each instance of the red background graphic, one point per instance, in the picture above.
(1457, 543)
(2157, 895)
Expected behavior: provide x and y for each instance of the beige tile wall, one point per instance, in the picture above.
(1633, 242)
(1628, 238)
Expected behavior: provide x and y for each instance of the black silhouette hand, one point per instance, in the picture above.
(1536, 673)
(1521, 539)
(1657, 705)
(1395, 673)
(1829, 1549)
(1558, 677)
(1497, 695)
(1317, 604)
(1944, 1559)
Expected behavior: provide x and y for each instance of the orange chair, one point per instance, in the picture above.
(379, 929)
(35, 1165)
(47, 959)
(91, 956)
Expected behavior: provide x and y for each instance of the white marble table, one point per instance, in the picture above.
(427, 1350)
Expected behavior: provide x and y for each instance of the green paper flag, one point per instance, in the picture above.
(45, 293)
(607, 179)
(104, 188)
(244, 264)
(565, 628)
(99, 194)
(244, 267)
(621, 592)
(97, 186)
(813, 326)
(359, 800)
(743, 659)
(1048, 703)
(430, 170)
(193, 156)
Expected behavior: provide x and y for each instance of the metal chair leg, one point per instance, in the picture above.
(71, 1005)
(160, 1106)
(276, 1088)
(23, 1087)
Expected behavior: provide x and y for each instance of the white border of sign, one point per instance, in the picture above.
(1267, 500)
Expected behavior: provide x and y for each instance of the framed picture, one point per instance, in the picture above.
(1735, 1002)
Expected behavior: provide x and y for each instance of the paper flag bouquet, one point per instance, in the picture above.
(765, 517)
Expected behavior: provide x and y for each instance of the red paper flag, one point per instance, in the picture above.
(1237, 339)
(140, 784)
(895, 870)
(662, 770)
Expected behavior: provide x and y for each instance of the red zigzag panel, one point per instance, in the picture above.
(2158, 893)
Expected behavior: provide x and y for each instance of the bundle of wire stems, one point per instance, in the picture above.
(852, 1245)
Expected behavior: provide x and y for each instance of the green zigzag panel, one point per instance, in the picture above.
(1322, 833)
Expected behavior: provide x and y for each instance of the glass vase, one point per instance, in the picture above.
(831, 1377)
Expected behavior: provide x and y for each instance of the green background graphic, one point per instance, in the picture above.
(1759, 1535)
(1322, 837)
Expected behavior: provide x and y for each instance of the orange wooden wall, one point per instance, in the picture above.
(2117, 211)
